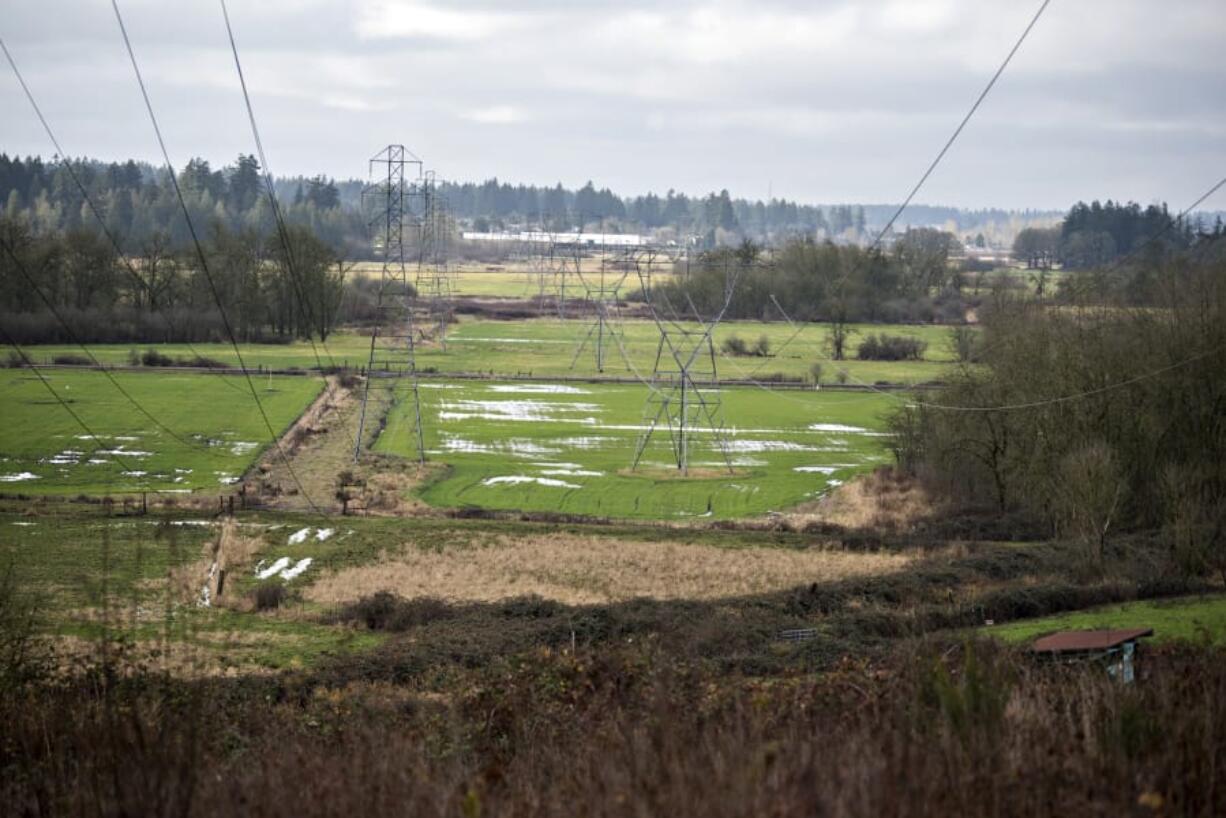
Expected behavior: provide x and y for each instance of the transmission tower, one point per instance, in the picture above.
(684, 364)
(435, 278)
(390, 197)
(601, 290)
(552, 260)
(557, 265)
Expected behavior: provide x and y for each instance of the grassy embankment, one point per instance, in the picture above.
(1190, 619)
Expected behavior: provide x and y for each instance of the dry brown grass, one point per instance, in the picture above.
(320, 448)
(319, 445)
(586, 570)
(207, 655)
(220, 557)
(389, 483)
(884, 500)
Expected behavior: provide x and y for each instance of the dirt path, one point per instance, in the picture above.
(320, 448)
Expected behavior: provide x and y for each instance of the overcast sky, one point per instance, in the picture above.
(822, 101)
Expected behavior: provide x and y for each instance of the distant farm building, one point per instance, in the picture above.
(560, 239)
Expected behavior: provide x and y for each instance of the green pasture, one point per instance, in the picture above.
(1186, 618)
(569, 448)
(514, 278)
(473, 279)
(551, 347)
(496, 281)
(44, 451)
(72, 563)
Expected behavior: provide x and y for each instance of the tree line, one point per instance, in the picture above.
(915, 279)
(1097, 234)
(137, 200)
(1097, 415)
(157, 292)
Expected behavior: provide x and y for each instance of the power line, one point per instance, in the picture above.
(89, 201)
(392, 342)
(8, 339)
(21, 268)
(1045, 401)
(204, 261)
(957, 131)
(304, 304)
(682, 387)
(1120, 262)
(1080, 395)
(1170, 225)
(941, 154)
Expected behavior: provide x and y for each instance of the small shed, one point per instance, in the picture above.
(1116, 648)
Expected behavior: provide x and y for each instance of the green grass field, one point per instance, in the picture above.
(506, 279)
(1189, 618)
(471, 279)
(569, 448)
(547, 347)
(44, 451)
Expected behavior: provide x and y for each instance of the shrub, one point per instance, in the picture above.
(68, 359)
(737, 346)
(151, 357)
(386, 611)
(891, 348)
(269, 597)
(530, 607)
(734, 345)
(25, 657)
(201, 362)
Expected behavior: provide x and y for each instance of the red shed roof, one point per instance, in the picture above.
(1076, 641)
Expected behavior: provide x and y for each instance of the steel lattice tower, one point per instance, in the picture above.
(435, 279)
(684, 365)
(602, 292)
(550, 267)
(392, 344)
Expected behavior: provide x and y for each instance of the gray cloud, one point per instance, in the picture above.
(820, 101)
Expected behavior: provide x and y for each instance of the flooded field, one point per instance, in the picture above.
(213, 431)
(571, 448)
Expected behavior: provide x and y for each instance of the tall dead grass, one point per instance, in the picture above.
(204, 580)
(885, 500)
(578, 570)
(628, 733)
